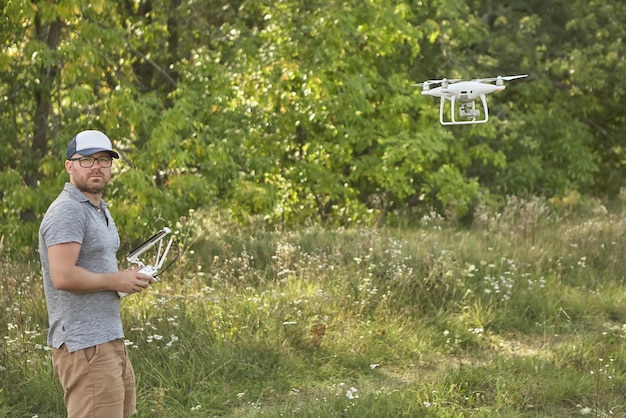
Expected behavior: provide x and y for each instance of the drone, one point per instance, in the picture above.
(466, 92)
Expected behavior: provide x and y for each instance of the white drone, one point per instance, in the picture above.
(465, 92)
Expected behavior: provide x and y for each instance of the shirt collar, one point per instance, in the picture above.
(78, 195)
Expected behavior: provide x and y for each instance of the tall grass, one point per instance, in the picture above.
(521, 315)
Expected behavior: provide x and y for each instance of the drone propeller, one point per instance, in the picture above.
(500, 78)
(443, 80)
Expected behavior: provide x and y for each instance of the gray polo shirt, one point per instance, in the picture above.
(81, 320)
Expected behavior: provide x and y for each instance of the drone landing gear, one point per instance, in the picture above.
(466, 110)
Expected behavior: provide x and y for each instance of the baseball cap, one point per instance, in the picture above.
(89, 142)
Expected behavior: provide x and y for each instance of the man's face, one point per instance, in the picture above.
(89, 179)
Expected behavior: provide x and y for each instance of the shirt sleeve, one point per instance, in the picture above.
(64, 223)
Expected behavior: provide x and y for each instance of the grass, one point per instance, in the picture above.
(522, 315)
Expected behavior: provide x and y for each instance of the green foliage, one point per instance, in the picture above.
(303, 113)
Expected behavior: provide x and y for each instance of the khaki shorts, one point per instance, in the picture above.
(98, 381)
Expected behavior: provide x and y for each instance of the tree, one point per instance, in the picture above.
(303, 112)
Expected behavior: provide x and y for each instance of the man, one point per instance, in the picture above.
(78, 241)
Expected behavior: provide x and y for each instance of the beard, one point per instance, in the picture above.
(90, 189)
(90, 184)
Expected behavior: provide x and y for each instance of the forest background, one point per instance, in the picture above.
(297, 112)
(341, 252)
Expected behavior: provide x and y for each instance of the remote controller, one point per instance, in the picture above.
(149, 270)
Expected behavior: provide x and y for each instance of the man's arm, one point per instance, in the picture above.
(66, 275)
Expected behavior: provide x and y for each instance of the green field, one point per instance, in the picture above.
(521, 315)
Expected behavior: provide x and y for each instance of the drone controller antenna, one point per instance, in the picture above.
(162, 259)
(158, 255)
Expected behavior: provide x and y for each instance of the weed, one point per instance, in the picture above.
(521, 315)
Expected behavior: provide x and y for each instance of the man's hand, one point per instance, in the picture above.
(131, 281)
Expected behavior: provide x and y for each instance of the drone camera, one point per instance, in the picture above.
(465, 112)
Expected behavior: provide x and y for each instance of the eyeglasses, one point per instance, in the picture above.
(88, 162)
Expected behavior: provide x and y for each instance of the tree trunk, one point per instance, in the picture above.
(50, 34)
